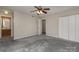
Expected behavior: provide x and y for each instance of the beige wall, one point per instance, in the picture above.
(39, 26)
(52, 22)
(52, 26)
(24, 25)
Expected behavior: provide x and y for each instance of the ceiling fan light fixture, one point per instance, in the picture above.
(39, 12)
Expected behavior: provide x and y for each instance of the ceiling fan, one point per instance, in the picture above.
(39, 10)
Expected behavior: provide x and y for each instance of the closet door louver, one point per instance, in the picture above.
(72, 27)
(63, 27)
(69, 27)
(77, 28)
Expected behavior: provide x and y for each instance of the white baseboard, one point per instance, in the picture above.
(19, 37)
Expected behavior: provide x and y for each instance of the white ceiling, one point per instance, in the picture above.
(53, 9)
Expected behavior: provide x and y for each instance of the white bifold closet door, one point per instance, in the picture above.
(69, 27)
(77, 28)
(72, 27)
(63, 27)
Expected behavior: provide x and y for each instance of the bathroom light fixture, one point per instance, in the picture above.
(6, 12)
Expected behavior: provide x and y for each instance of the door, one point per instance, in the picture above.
(0, 27)
(44, 27)
(77, 28)
(63, 27)
(72, 27)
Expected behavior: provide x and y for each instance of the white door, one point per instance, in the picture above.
(69, 28)
(0, 27)
(72, 27)
(63, 27)
(77, 28)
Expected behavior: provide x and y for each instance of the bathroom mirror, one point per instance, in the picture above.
(6, 23)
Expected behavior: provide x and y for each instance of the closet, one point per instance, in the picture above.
(69, 27)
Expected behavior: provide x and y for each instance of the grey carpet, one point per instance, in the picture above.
(40, 43)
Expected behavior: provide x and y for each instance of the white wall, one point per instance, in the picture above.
(39, 26)
(52, 26)
(24, 25)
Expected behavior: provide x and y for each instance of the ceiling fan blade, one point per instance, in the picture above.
(34, 10)
(37, 7)
(46, 9)
(40, 7)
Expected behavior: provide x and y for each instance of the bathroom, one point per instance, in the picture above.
(6, 24)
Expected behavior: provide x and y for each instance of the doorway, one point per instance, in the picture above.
(43, 27)
(6, 28)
